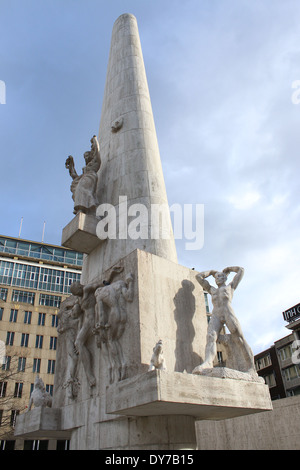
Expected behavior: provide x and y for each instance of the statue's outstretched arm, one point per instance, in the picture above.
(202, 281)
(238, 277)
(96, 151)
(71, 167)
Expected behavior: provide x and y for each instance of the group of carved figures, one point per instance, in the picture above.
(97, 309)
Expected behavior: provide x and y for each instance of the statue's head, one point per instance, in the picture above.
(220, 278)
(38, 383)
(87, 156)
(76, 289)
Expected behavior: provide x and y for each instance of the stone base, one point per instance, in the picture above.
(41, 423)
(80, 233)
(173, 393)
(154, 410)
(226, 373)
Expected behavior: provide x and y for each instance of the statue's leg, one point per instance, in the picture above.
(213, 330)
(84, 352)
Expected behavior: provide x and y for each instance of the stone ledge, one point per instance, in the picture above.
(80, 233)
(174, 393)
(40, 423)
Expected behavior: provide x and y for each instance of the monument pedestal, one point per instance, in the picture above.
(148, 409)
(80, 233)
(154, 410)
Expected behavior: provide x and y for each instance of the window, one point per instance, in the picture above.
(291, 373)
(13, 316)
(23, 296)
(18, 390)
(36, 365)
(3, 386)
(285, 352)
(54, 322)
(53, 341)
(270, 380)
(27, 317)
(1, 313)
(49, 389)
(13, 417)
(51, 366)
(24, 340)
(263, 362)
(10, 335)
(41, 320)
(6, 363)
(25, 276)
(3, 293)
(51, 280)
(21, 364)
(50, 300)
(6, 270)
(70, 277)
(39, 341)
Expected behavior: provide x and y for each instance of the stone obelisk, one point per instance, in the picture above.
(135, 327)
(131, 171)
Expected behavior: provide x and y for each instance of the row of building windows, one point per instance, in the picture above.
(39, 339)
(36, 277)
(27, 317)
(26, 297)
(36, 365)
(40, 251)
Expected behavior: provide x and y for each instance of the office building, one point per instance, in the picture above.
(34, 279)
(280, 364)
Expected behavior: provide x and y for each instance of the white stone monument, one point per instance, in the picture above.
(115, 388)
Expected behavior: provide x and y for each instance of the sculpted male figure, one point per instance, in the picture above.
(84, 309)
(223, 314)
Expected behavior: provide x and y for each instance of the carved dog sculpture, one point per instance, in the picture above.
(157, 359)
(39, 396)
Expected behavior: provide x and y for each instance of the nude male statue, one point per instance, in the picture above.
(84, 309)
(223, 314)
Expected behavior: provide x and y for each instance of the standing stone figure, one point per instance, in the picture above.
(68, 324)
(84, 311)
(83, 187)
(223, 314)
(111, 318)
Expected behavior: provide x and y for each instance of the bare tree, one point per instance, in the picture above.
(10, 372)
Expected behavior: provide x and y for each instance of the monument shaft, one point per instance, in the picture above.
(131, 165)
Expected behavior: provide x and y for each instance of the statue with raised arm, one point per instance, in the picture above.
(223, 314)
(83, 186)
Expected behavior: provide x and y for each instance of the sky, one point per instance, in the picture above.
(221, 75)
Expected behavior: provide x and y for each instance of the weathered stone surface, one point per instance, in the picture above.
(41, 423)
(161, 392)
(272, 430)
(80, 233)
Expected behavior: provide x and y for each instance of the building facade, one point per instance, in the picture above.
(34, 279)
(280, 364)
